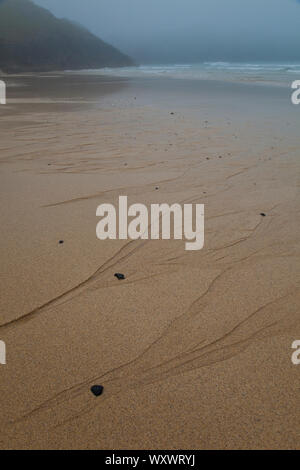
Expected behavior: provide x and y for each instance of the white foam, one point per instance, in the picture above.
(276, 73)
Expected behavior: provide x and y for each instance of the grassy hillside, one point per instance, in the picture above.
(32, 39)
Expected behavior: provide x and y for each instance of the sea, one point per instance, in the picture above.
(279, 74)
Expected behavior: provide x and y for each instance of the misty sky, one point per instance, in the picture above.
(191, 30)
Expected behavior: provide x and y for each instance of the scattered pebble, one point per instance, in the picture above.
(97, 390)
(263, 214)
(119, 276)
(61, 242)
(172, 114)
(157, 187)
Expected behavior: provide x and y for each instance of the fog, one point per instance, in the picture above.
(182, 31)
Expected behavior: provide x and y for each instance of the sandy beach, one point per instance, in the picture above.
(193, 348)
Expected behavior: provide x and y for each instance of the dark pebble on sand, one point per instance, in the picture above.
(263, 214)
(61, 242)
(97, 390)
(172, 114)
(120, 276)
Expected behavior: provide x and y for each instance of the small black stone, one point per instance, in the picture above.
(262, 214)
(172, 114)
(61, 242)
(97, 390)
(119, 276)
(157, 187)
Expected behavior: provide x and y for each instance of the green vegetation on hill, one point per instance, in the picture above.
(32, 39)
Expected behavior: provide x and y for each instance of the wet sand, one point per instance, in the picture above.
(193, 348)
